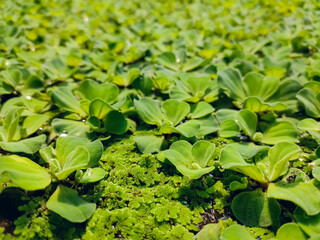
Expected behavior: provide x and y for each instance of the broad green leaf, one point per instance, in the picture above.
(24, 173)
(175, 111)
(91, 90)
(248, 121)
(187, 159)
(33, 122)
(64, 99)
(179, 94)
(236, 185)
(309, 124)
(168, 60)
(290, 231)
(226, 114)
(198, 85)
(57, 70)
(192, 63)
(316, 173)
(65, 127)
(253, 209)
(296, 193)
(310, 101)
(92, 175)
(67, 203)
(279, 156)
(28, 145)
(189, 128)
(115, 123)
(11, 128)
(99, 108)
(12, 77)
(202, 151)
(248, 150)
(208, 125)
(230, 158)
(236, 232)
(34, 104)
(259, 86)
(201, 109)
(149, 111)
(230, 80)
(228, 128)
(77, 159)
(309, 224)
(280, 132)
(209, 231)
(148, 144)
(256, 105)
(65, 145)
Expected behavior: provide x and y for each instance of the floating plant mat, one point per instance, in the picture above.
(159, 119)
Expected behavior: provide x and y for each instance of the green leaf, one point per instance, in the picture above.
(316, 173)
(290, 231)
(253, 209)
(201, 109)
(296, 193)
(188, 160)
(248, 121)
(12, 77)
(77, 159)
(248, 150)
(236, 185)
(309, 224)
(65, 127)
(28, 145)
(209, 231)
(115, 123)
(230, 80)
(256, 105)
(202, 151)
(67, 203)
(99, 108)
(198, 85)
(57, 70)
(228, 128)
(148, 144)
(149, 111)
(193, 63)
(175, 111)
(11, 128)
(311, 102)
(279, 156)
(236, 232)
(91, 90)
(230, 158)
(208, 125)
(33, 122)
(64, 99)
(226, 114)
(189, 128)
(309, 124)
(24, 173)
(280, 132)
(168, 60)
(259, 86)
(92, 175)
(65, 145)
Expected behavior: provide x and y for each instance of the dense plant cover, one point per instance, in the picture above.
(159, 119)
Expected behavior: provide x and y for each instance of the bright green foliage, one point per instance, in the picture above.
(66, 202)
(190, 160)
(194, 108)
(23, 173)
